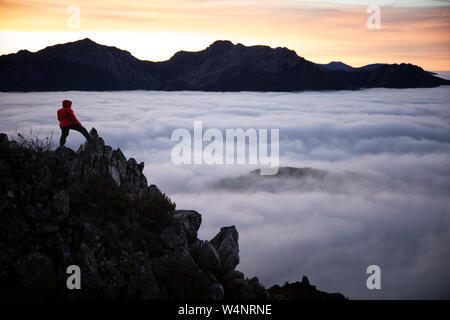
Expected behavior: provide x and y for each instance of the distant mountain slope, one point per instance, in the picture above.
(389, 76)
(223, 66)
(335, 66)
(80, 65)
(290, 179)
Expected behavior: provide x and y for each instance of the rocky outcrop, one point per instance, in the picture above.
(227, 247)
(93, 208)
(301, 291)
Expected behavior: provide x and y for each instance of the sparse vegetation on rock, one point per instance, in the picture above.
(94, 208)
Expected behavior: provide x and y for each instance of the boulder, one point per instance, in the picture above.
(148, 285)
(191, 221)
(33, 269)
(206, 256)
(214, 291)
(61, 204)
(4, 139)
(246, 289)
(173, 236)
(120, 162)
(92, 281)
(227, 246)
(114, 173)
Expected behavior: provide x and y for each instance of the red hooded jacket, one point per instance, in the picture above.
(66, 116)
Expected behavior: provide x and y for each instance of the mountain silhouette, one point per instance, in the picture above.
(336, 66)
(223, 66)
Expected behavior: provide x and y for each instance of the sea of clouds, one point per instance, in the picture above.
(385, 201)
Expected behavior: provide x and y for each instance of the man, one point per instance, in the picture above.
(67, 121)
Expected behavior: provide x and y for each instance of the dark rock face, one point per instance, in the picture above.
(93, 208)
(335, 66)
(300, 291)
(227, 247)
(397, 76)
(223, 66)
(80, 65)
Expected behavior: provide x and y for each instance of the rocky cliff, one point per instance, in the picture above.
(94, 208)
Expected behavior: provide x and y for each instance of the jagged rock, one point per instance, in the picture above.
(61, 204)
(205, 255)
(227, 246)
(182, 276)
(182, 230)
(300, 291)
(173, 236)
(41, 265)
(65, 153)
(4, 139)
(94, 134)
(96, 146)
(237, 275)
(64, 254)
(88, 264)
(92, 233)
(215, 291)
(147, 285)
(191, 221)
(114, 173)
(246, 289)
(120, 162)
(93, 208)
(13, 144)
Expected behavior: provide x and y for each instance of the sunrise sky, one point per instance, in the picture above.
(414, 31)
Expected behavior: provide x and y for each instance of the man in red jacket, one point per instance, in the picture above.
(67, 121)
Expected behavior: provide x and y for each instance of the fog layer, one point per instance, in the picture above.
(385, 199)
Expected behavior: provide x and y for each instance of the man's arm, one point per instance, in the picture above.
(74, 119)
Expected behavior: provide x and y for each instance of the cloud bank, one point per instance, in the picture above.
(384, 201)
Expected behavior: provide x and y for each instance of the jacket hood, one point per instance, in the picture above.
(67, 103)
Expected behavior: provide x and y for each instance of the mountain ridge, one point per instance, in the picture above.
(222, 66)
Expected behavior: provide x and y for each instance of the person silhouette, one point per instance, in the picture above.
(67, 121)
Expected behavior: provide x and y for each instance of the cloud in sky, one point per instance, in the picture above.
(320, 31)
(384, 202)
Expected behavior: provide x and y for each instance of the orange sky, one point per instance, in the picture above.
(412, 31)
